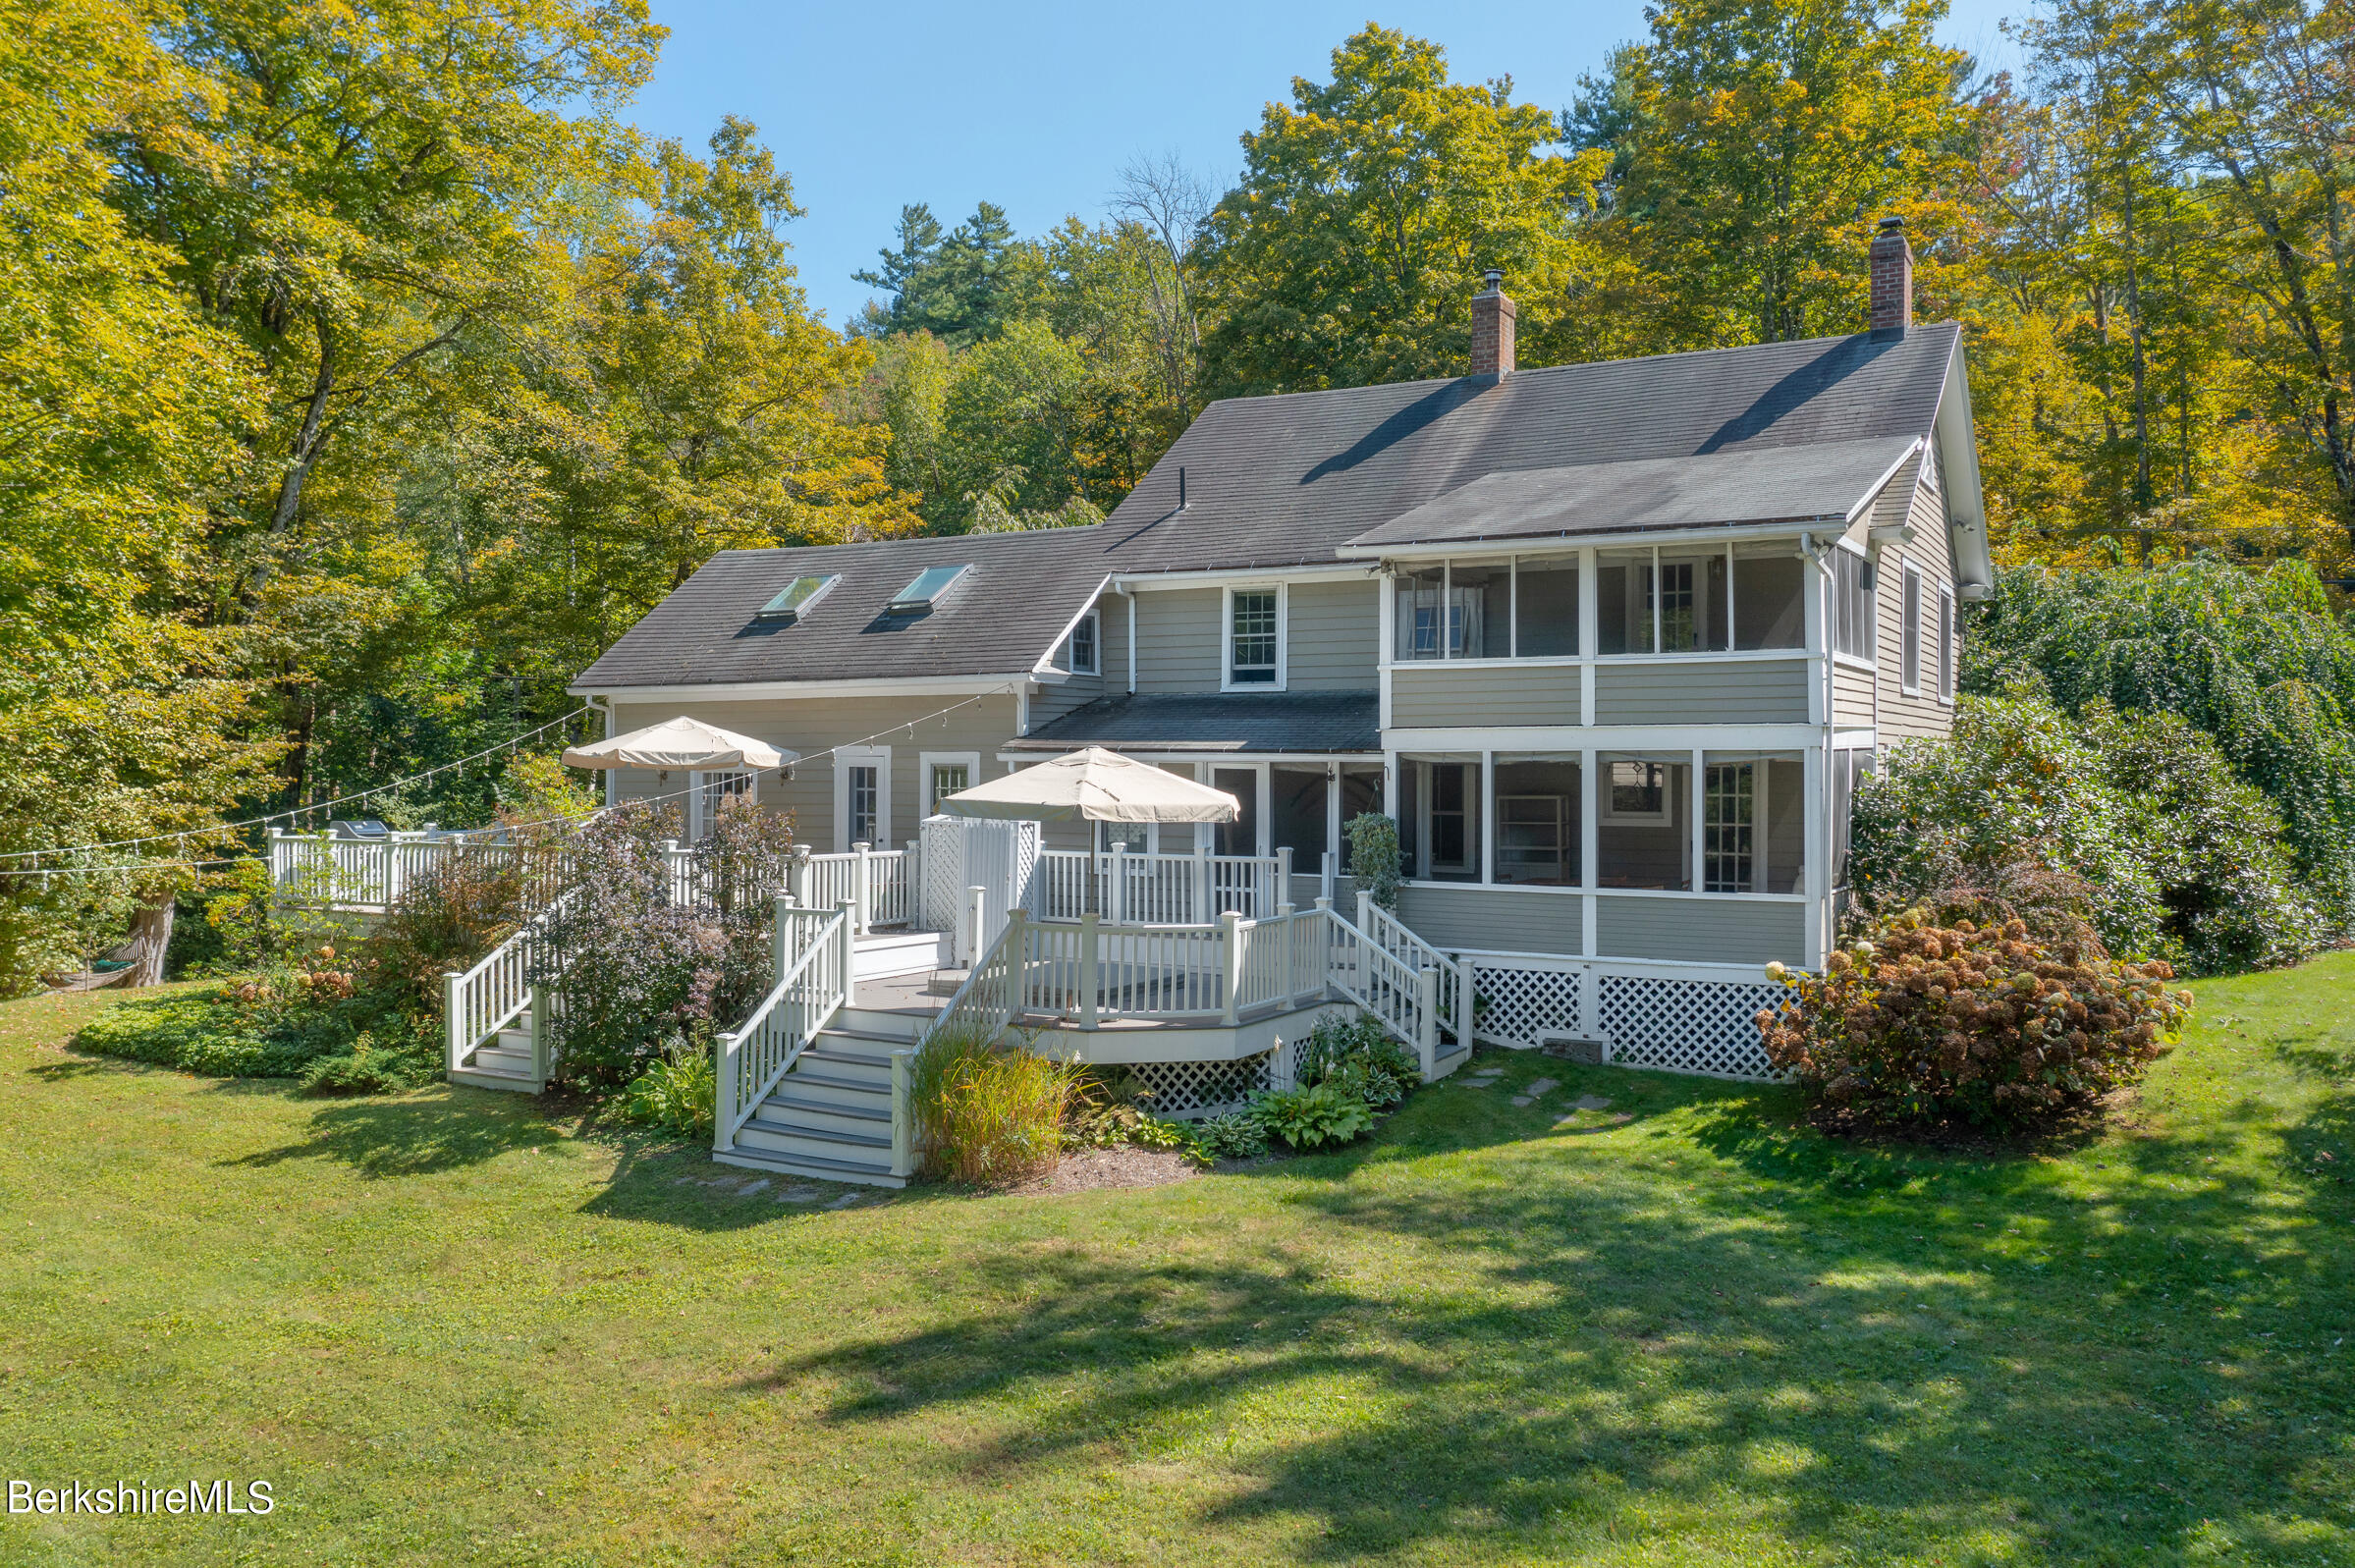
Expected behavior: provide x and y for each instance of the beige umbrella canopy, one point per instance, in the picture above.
(683, 743)
(1097, 785)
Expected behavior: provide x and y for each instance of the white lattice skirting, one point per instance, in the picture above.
(1683, 1022)
(1196, 1089)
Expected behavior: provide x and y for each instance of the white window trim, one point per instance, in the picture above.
(1094, 621)
(1831, 618)
(1227, 680)
(847, 758)
(1909, 638)
(926, 761)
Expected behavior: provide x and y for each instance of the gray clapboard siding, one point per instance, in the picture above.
(1112, 665)
(1177, 641)
(1495, 919)
(1704, 691)
(1904, 717)
(1701, 929)
(1453, 695)
(812, 724)
(1335, 631)
(1851, 696)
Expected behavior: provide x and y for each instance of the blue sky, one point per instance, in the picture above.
(1036, 107)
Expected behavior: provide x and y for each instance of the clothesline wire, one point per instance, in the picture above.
(909, 727)
(317, 805)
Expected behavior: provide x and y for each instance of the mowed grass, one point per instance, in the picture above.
(461, 1326)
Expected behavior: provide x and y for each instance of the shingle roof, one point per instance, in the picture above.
(1286, 480)
(1000, 617)
(1752, 485)
(1293, 721)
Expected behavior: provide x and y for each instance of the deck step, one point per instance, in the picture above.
(477, 1078)
(500, 1056)
(799, 1112)
(857, 1172)
(795, 1140)
(813, 1083)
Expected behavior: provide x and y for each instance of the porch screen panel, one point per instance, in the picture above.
(1538, 804)
(1644, 816)
(1440, 806)
(1730, 828)
(1417, 614)
(1242, 836)
(1479, 612)
(1546, 610)
(1770, 605)
(1296, 814)
(1361, 794)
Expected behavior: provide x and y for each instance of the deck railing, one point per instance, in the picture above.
(372, 874)
(874, 881)
(486, 999)
(1155, 890)
(812, 987)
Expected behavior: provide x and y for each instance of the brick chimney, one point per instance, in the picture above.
(1493, 313)
(1893, 277)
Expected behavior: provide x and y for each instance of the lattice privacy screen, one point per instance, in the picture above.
(1521, 1006)
(1685, 1025)
(1193, 1088)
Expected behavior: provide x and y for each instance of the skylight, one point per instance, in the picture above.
(927, 590)
(796, 597)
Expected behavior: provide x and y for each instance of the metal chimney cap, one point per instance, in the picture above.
(1494, 277)
(1892, 224)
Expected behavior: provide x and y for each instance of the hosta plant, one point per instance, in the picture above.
(1311, 1117)
(1979, 1021)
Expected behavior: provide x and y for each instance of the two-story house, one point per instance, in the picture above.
(1611, 642)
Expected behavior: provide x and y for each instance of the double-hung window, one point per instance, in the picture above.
(1254, 637)
(1946, 644)
(1853, 609)
(1909, 654)
(1086, 655)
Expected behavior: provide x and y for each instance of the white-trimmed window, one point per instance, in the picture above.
(1909, 651)
(1253, 641)
(948, 773)
(1636, 790)
(1086, 645)
(863, 796)
(708, 791)
(1946, 643)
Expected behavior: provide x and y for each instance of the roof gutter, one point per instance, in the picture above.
(1531, 544)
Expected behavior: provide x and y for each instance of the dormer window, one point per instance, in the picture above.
(795, 598)
(931, 585)
(1084, 645)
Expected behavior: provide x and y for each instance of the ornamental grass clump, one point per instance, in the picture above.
(990, 1115)
(1982, 1022)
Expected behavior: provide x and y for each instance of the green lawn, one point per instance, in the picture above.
(458, 1326)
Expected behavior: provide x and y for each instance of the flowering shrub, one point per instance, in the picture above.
(1978, 1021)
(633, 967)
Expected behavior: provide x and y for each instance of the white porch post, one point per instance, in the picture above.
(847, 952)
(973, 938)
(453, 1028)
(1088, 923)
(1117, 904)
(1284, 916)
(796, 876)
(1017, 964)
(1284, 877)
(1427, 1022)
(1204, 904)
(1231, 960)
(863, 883)
(781, 938)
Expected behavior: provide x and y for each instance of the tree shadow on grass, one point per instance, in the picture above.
(415, 1134)
(1568, 1337)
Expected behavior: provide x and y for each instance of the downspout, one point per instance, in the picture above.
(1826, 619)
(604, 709)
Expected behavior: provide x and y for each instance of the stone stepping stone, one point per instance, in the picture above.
(1592, 1103)
(799, 1195)
(848, 1200)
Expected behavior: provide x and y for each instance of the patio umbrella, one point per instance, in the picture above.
(1097, 785)
(679, 743)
